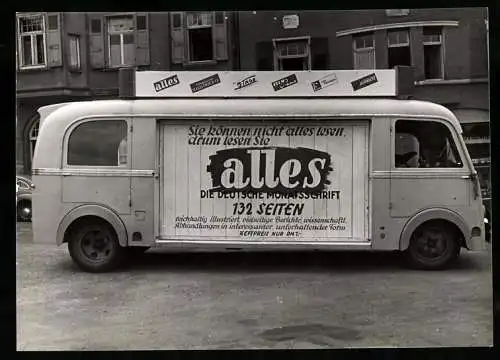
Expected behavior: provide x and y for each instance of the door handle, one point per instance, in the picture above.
(473, 178)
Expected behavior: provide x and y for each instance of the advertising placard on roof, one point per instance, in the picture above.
(234, 84)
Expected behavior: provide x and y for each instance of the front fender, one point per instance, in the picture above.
(431, 214)
(101, 211)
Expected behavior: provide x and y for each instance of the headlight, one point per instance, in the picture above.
(486, 221)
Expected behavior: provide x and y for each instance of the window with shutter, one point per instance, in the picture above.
(121, 41)
(201, 36)
(292, 54)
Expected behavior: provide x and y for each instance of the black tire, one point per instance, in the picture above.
(24, 210)
(433, 246)
(94, 247)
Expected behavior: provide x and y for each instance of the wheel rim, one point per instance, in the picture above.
(96, 245)
(431, 244)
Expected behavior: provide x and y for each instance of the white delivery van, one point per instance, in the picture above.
(312, 160)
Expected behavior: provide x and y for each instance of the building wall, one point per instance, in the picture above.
(465, 52)
(95, 79)
(465, 46)
(470, 96)
(51, 84)
(250, 47)
(75, 24)
(257, 30)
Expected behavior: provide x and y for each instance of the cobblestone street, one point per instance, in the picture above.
(234, 300)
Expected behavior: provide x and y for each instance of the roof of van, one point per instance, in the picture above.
(270, 107)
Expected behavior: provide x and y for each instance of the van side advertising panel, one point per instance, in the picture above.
(273, 182)
(340, 83)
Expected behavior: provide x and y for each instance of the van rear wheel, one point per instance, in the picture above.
(94, 247)
(433, 246)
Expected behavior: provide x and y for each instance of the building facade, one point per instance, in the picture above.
(447, 48)
(64, 57)
(74, 56)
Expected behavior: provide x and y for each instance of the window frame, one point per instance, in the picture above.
(466, 165)
(277, 57)
(399, 44)
(78, 66)
(188, 28)
(370, 49)
(180, 29)
(69, 131)
(33, 138)
(441, 45)
(188, 45)
(32, 34)
(179, 15)
(121, 34)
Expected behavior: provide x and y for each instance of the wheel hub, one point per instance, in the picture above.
(96, 245)
(432, 244)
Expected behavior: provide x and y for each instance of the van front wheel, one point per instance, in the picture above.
(94, 247)
(433, 246)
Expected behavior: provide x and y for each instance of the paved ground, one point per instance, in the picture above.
(201, 301)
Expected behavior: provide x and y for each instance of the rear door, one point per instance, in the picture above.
(272, 182)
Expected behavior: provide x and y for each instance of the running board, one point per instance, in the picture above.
(263, 245)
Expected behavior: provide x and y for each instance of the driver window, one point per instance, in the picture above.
(424, 144)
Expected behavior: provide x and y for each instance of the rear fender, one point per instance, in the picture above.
(93, 210)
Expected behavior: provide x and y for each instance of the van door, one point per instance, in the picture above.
(427, 168)
(93, 170)
(143, 156)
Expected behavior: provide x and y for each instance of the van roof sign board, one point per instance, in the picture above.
(235, 84)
